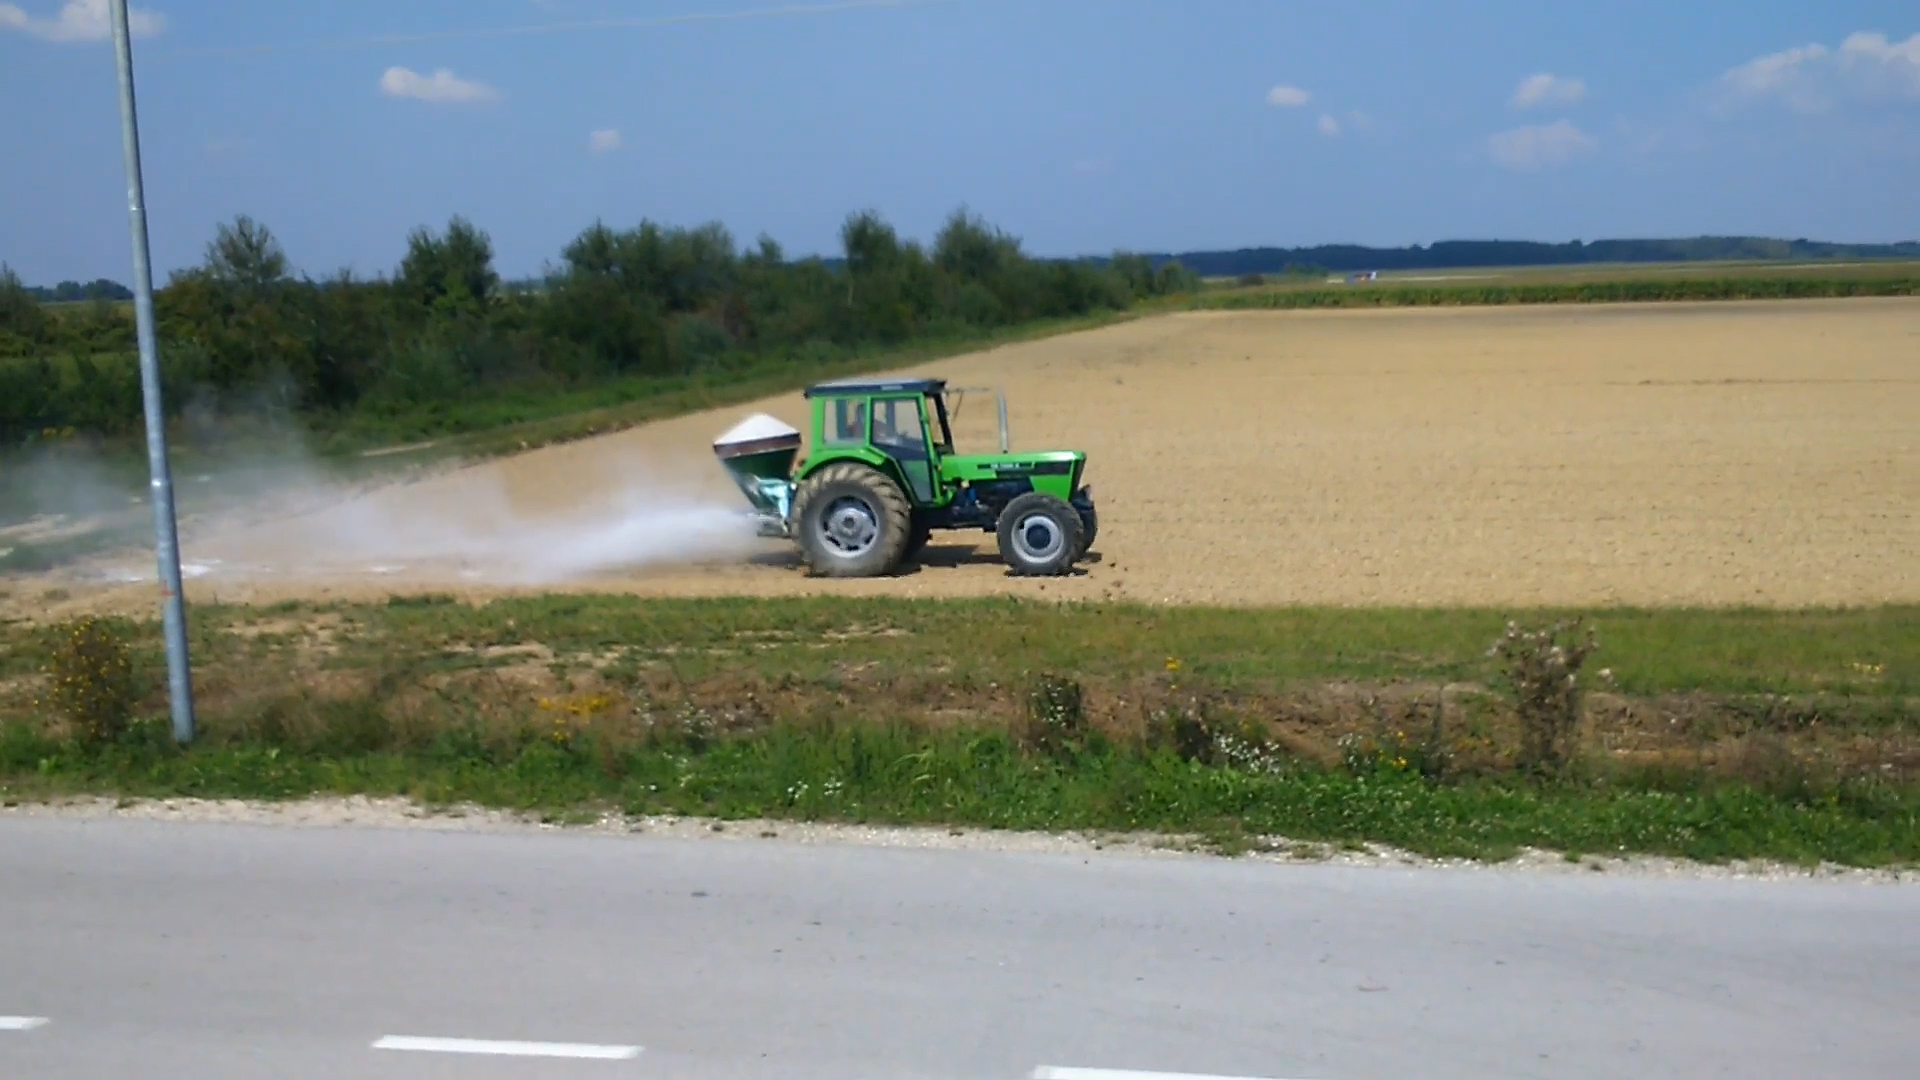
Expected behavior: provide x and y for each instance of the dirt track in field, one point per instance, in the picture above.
(1749, 453)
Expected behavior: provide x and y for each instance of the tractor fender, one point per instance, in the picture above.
(861, 455)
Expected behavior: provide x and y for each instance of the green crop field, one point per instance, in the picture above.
(1865, 269)
(1560, 285)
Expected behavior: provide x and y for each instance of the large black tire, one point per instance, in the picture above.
(918, 533)
(1089, 528)
(851, 521)
(1039, 535)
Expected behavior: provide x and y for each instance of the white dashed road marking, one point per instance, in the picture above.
(507, 1049)
(1058, 1073)
(21, 1023)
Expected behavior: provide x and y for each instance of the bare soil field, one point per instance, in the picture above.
(1704, 454)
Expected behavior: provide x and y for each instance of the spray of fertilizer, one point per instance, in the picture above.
(287, 518)
(256, 503)
(472, 532)
(465, 527)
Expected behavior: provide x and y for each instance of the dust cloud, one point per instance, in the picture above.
(467, 528)
(257, 504)
(56, 497)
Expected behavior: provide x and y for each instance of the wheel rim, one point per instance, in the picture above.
(849, 527)
(1038, 538)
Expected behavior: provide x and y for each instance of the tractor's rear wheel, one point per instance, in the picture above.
(851, 521)
(1039, 535)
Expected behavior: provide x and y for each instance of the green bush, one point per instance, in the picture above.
(1056, 718)
(1183, 729)
(90, 681)
(698, 342)
(1543, 671)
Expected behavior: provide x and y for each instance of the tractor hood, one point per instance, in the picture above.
(1017, 464)
(1057, 472)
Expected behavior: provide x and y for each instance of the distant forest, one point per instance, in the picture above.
(69, 292)
(1461, 254)
(1445, 255)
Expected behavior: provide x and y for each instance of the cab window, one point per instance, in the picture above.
(846, 422)
(897, 428)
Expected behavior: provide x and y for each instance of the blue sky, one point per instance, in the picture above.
(1079, 125)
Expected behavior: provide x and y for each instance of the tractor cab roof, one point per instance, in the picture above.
(856, 387)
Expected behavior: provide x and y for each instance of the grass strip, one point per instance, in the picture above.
(1865, 652)
(900, 774)
(1730, 733)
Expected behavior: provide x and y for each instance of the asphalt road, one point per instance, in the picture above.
(171, 950)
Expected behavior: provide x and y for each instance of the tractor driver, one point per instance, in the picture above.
(851, 421)
(898, 432)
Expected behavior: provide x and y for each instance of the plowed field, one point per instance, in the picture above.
(1734, 453)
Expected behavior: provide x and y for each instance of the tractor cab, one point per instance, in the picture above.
(901, 426)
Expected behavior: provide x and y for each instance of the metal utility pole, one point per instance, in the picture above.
(165, 531)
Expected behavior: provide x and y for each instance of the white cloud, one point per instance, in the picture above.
(1883, 64)
(1543, 89)
(1328, 125)
(80, 20)
(1785, 75)
(1877, 47)
(604, 141)
(1288, 97)
(1541, 145)
(1813, 78)
(442, 87)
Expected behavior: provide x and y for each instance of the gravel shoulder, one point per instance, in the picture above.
(360, 812)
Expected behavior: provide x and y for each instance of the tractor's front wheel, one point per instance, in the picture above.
(1089, 523)
(1039, 535)
(851, 521)
(918, 533)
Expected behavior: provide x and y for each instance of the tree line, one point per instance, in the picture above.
(648, 301)
(1330, 258)
(1460, 254)
(74, 292)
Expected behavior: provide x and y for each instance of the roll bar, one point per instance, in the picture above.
(999, 397)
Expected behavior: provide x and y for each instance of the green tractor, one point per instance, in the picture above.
(882, 474)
